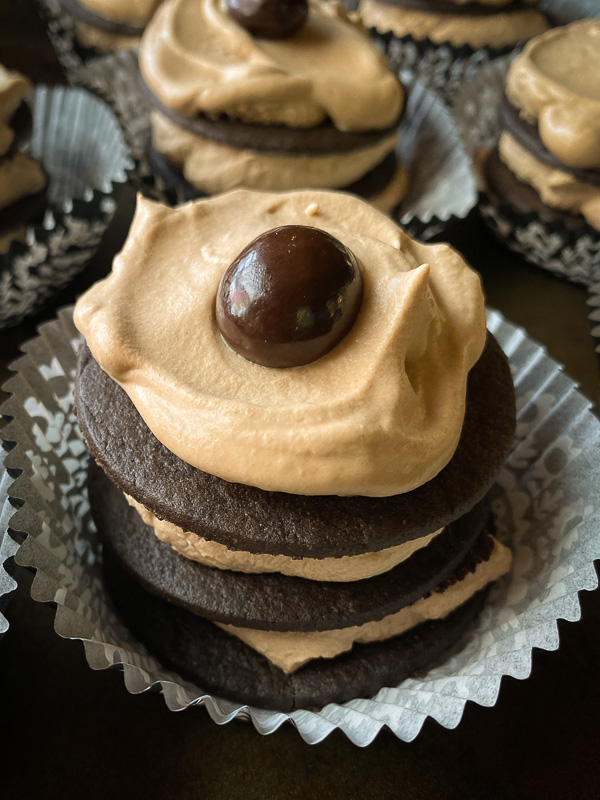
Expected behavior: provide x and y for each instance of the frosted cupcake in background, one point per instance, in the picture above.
(22, 178)
(57, 193)
(445, 40)
(110, 24)
(546, 166)
(270, 96)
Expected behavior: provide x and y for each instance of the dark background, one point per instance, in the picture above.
(68, 732)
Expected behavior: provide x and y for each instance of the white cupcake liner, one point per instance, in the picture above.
(549, 245)
(442, 186)
(8, 546)
(546, 504)
(79, 143)
(561, 12)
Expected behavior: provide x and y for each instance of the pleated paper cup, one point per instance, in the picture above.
(441, 67)
(546, 504)
(8, 546)
(551, 246)
(78, 141)
(441, 189)
(71, 53)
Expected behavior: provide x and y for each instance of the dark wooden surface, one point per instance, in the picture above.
(68, 732)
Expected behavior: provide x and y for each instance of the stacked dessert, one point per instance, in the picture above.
(271, 95)
(293, 431)
(548, 157)
(110, 24)
(480, 23)
(22, 179)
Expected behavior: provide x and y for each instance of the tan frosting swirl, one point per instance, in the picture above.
(131, 12)
(214, 554)
(378, 415)
(13, 88)
(290, 650)
(496, 30)
(555, 82)
(196, 59)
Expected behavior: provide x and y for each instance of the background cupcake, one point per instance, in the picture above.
(22, 178)
(444, 41)
(545, 169)
(61, 196)
(245, 97)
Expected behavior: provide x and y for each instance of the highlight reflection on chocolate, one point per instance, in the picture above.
(289, 297)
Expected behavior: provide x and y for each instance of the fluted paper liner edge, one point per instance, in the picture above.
(546, 505)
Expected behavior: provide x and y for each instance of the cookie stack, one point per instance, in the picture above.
(548, 158)
(293, 431)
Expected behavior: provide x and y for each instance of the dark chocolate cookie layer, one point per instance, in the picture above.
(447, 7)
(528, 136)
(83, 14)
(246, 518)
(317, 140)
(370, 185)
(504, 186)
(271, 601)
(222, 664)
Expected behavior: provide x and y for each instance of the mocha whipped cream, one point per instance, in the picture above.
(555, 82)
(13, 88)
(196, 59)
(291, 650)
(497, 30)
(379, 415)
(213, 554)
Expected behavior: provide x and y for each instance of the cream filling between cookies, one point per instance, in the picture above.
(496, 30)
(558, 189)
(213, 167)
(291, 650)
(213, 554)
(20, 176)
(555, 83)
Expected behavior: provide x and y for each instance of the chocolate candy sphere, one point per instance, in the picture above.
(269, 19)
(289, 297)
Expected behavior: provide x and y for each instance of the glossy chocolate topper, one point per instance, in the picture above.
(289, 297)
(269, 19)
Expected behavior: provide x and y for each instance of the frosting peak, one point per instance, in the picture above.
(378, 415)
(555, 82)
(196, 59)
